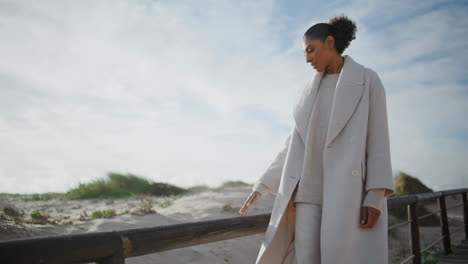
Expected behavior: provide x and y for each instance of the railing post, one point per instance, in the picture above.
(414, 229)
(444, 225)
(465, 214)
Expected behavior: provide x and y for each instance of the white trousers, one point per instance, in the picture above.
(305, 245)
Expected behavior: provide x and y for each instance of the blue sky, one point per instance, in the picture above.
(203, 93)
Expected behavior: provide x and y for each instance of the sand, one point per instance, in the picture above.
(189, 208)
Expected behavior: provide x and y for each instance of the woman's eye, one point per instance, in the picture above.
(308, 51)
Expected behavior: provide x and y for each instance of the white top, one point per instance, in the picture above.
(310, 186)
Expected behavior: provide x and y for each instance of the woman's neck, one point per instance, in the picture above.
(335, 65)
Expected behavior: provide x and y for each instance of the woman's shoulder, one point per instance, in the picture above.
(372, 78)
(370, 74)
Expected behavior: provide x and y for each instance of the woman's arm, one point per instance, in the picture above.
(378, 161)
(374, 198)
(270, 179)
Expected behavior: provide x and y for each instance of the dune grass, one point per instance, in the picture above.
(229, 184)
(122, 186)
(103, 214)
(116, 185)
(35, 196)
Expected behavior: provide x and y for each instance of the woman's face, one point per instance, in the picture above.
(319, 54)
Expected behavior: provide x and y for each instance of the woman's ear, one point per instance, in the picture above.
(330, 42)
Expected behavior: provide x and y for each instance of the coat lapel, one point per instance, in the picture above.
(348, 92)
(303, 107)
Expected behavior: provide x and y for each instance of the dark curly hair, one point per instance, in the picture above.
(341, 28)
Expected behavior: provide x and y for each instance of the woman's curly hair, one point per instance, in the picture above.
(344, 32)
(341, 28)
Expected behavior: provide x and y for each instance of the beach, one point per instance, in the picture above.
(76, 216)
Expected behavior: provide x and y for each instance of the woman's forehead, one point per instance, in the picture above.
(310, 43)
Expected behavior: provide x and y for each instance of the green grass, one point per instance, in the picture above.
(38, 218)
(46, 196)
(165, 204)
(399, 192)
(430, 256)
(121, 186)
(8, 210)
(38, 215)
(116, 185)
(229, 184)
(145, 208)
(199, 188)
(103, 214)
(35, 196)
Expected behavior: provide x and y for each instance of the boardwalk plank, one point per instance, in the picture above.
(459, 255)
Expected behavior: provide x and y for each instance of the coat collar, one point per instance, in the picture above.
(348, 91)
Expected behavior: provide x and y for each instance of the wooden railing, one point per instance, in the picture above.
(115, 246)
(411, 202)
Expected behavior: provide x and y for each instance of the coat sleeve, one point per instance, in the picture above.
(374, 198)
(269, 181)
(261, 188)
(378, 161)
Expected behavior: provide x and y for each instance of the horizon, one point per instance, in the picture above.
(105, 178)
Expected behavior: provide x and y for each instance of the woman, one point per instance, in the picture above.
(334, 171)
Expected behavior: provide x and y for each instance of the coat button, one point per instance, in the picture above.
(355, 173)
(353, 139)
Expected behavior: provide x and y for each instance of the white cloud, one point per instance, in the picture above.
(180, 92)
(153, 88)
(418, 54)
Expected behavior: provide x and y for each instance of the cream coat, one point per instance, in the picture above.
(356, 159)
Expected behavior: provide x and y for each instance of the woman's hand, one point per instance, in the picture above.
(369, 216)
(254, 196)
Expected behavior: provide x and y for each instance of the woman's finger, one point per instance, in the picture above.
(363, 215)
(255, 197)
(248, 202)
(245, 206)
(366, 218)
(251, 199)
(372, 217)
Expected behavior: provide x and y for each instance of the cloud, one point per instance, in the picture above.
(162, 89)
(418, 56)
(199, 94)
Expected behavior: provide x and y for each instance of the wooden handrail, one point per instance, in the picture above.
(128, 243)
(115, 246)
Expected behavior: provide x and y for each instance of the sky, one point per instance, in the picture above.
(202, 92)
